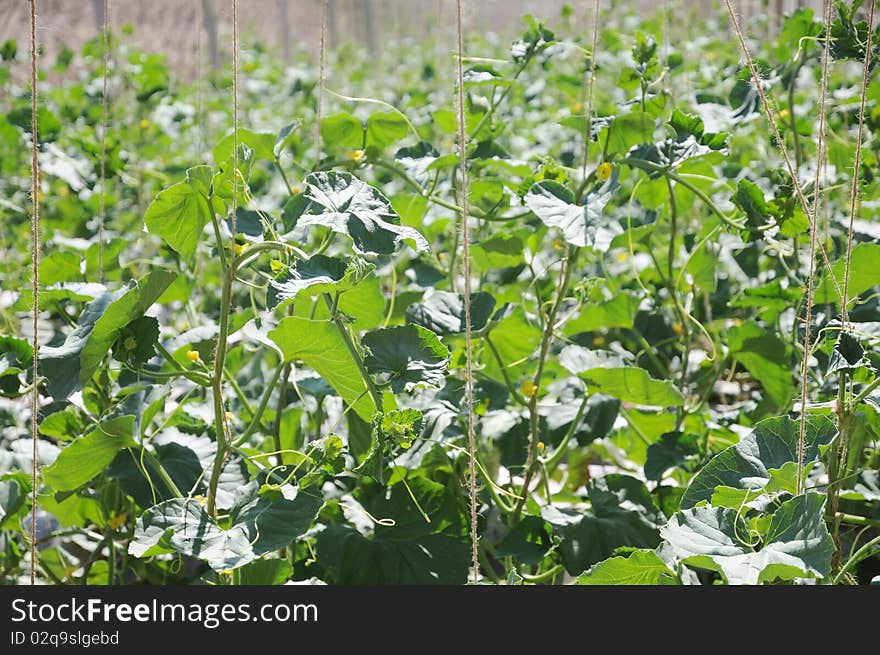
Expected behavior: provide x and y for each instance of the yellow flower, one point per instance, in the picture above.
(356, 156)
(144, 124)
(295, 189)
(276, 265)
(578, 108)
(193, 356)
(541, 446)
(116, 522)
(558, 244)
(528, 388)
(225, 572)
(598, 340)
(201, 500)
(603, 171)
(676, 327)
(238, 248)
(622, 256)
(784, 114)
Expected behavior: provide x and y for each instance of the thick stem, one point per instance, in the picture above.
(531, 455)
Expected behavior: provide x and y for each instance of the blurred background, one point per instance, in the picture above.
(194, 32)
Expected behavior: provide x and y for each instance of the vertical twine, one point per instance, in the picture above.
(854, 189)
(35, 256)
(466, 273)
(234, 119)
(814, 240)
(589, 134)
(780, 143)
(320, 98)
(102, 213)
(199, 78)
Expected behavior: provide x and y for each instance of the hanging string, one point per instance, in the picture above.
(814, 240)
(35, 279)
(589, 133)
(320, 99)
(234, 119)
(854, 189)
(198, 32)
(466, 273)
(102, 213)
(783, 150)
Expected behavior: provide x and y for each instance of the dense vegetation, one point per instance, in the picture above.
(286, 403)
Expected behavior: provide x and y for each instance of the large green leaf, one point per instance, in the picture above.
(16, 357)
(90, 455)
(70, 366)
(749, 464)
(766, 357)
(443, 312)
(406, 550)
(604, 372)
(622, 513)
(319, 345)
(274, 518)
(863, 274)
(183, 525)
(640, 567)
(179, 213)
(796, 545)
(580, 224)
(349, 206)
(321, 274)
(404, 356)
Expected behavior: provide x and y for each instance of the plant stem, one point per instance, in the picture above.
(553, 461)
(673, 293)
(531, 455)
(217, 235)
(166, 478)
(514, 392)
(860, 554)
(258, 412)
(352, 349)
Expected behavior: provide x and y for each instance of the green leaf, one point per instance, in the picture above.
(443, 312)
(605, 374)
(864, 274)
(617, 312)
(70, 366)
(182, 525)
(498, 251)
(261, 143)
(349, 206)
(385, 128)
(405, 356)
(275, 517)
(12, 499)
(528, 542)
(60, 266)
(750, 199)
(640, 567)
(392, 432)
(675, 449)
(319, 345)
(622, 513)
(265, 572)
(581, 225)
(766, 357)
(343, 130)
(748, 464)
(797, 543)
(16, 358)
(180, 213)
(627, 130)
(89, 455)
(321, 274)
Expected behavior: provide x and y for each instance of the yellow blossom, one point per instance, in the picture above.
(622, 256)
(528, 388)
(193, 356)
(356, 156)
(239, 248)
(784, 114)
(116, 522)
(541, 446)
(603, 171)
(144, 124)
(276, 265)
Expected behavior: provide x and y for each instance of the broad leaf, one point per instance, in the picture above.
(319, 345)
(748, 464)
(581, 225)
(180, 213)
(70, 366)
(622, 513)
(641, 567)
(405, 356)
(796, 545)
(90, 455)
(443, 312)
(349, 206)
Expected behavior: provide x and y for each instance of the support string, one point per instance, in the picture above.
(102, 213)
(783, 150)
(466, 273)
(589, 134)
(35, 279)
(320, 98)
(814, 241)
